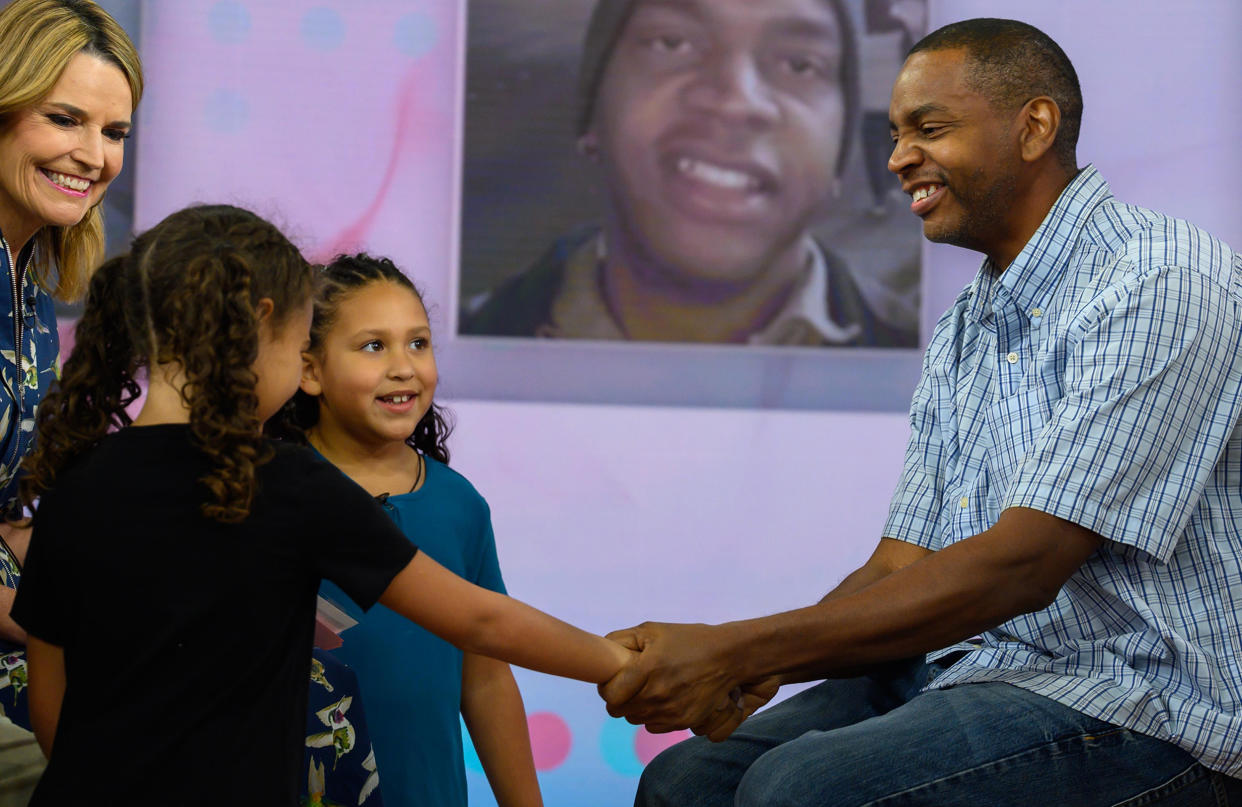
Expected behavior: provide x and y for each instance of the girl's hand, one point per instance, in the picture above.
(621, 651)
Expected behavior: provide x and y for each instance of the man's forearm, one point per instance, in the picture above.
(887, 558)
(944, 597)
(687, 673)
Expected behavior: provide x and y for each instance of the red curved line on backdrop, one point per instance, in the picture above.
(355, 234)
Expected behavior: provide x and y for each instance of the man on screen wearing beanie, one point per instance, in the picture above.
(720, 129)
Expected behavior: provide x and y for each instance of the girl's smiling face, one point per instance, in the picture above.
(375, 373)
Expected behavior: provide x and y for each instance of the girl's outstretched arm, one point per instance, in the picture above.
(45, 665)
(481, 621)
(492, 707)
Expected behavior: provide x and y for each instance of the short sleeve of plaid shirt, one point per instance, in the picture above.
(1152, 390)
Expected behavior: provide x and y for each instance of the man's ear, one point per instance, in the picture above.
(310, 383)
(1040, 119)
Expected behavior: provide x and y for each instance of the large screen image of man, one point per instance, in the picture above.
(706, 184)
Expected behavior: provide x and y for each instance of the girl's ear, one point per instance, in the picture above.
(263, 309)
(310, 376)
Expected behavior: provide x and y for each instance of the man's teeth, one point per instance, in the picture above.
(922, 193)
(66, 181)
(397, 399)
(717, 175)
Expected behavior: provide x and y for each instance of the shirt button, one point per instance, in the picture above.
(1037, 312)
(965, 502)
(1012, 358)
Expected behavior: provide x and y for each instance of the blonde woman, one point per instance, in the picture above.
(69, 81)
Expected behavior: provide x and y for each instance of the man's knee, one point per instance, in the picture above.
(774, 780)
(817, 768)
(673, 776)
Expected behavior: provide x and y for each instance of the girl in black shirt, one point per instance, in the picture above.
(169, 591)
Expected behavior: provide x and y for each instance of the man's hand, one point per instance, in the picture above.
(682, 678)
(743, 702)
(755, 696)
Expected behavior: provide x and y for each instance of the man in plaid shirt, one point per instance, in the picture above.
(1053, 614)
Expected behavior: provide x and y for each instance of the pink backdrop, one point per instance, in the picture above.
(338, 119)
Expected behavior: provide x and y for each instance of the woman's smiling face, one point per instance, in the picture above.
(58, 156)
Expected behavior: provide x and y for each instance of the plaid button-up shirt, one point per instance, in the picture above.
(1099, 379)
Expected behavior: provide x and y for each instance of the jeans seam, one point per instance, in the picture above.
(1170, 786)
(1001, 762)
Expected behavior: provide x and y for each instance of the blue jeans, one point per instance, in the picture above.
(876, 740)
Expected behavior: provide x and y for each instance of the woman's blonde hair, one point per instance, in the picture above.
(40, 38)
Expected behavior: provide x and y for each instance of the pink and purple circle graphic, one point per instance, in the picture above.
(626, 749)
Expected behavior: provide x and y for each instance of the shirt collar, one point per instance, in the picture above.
(1029, 281)
(804, 319)
(22, 259)
(580, 311)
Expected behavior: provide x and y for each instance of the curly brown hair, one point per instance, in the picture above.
(187, 294)
(345, 275)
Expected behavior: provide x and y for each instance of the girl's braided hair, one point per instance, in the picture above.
(186, 294)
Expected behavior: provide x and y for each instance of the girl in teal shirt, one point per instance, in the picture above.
(366, 404)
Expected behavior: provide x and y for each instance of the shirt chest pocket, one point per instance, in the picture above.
(1014, 424)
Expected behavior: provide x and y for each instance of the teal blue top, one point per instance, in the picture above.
(410, 680)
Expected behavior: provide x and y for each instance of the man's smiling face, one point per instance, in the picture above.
(719, 126)
(954, 152)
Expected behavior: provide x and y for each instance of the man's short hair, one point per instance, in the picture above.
(1011, 62)
(608, 20)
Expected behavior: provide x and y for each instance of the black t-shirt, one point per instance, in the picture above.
(187, 641)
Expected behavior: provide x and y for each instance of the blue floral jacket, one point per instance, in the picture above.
(29, 348)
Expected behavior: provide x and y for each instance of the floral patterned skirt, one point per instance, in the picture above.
(339, 762)
(13, 702)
